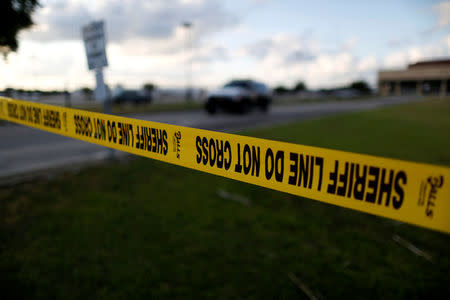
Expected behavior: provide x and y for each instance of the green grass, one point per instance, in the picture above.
(418, 131)
(144, 229)
(293, 100)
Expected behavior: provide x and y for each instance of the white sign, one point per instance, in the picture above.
(95, 44)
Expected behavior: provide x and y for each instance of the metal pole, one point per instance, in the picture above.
(188, 94)
(102, 94)
(67, 95)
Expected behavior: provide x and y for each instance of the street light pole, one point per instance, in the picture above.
(188, 94)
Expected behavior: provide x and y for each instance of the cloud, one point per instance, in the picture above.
(299, 56)
(46, 65)
(283, 48)
(398, 42)
(133, 19)
(367, 64)
(210, 54)
(147, 43)
(412, 54)
(286, 59)
(260, 49)
(349, 44)
(442, 10)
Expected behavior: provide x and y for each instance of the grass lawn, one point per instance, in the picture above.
(291, 100)
(145, 229)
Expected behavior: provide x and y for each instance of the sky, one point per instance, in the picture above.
(323, 43)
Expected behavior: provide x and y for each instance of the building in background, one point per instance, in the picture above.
(421, 78)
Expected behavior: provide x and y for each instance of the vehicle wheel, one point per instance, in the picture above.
(244, 106)
(211, 107)
(264, 104)
(264, 107)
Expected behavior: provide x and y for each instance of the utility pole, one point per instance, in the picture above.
(188, 94)
(67, 95)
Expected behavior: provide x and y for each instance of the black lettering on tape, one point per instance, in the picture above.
(99, 129)
(360, 183)
(212, 148)
(247, 161)
(205, 150)
(350, 180)
(238, 166)
(333, 178)
(213, 151)
(319, 162)
(154, 140)
(269, 164)
(83, 125)
(53, 120)
(219, 145)
(12, 110)
(400, 180)
(385, 187)
(343, 179)
(227, 149)
(293, 168)
(165, 144)
(372, 184)
(198, 144)
(112, 131)
(304, 170)
(256, 161)
(149, 139)
(279, 166)
(274, 165)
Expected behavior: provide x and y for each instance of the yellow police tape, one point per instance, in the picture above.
(404, 191)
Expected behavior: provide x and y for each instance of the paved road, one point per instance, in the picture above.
(25, 150)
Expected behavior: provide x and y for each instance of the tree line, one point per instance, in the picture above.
(360, 86)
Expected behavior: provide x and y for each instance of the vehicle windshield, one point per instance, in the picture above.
(130, 93)
(239, 84)
(260, 87)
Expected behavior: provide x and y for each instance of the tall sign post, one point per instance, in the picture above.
(189, 91)
(95, 46)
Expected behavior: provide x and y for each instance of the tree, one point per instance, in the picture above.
(280, 90)
(87, 92)
(149, 87)
(300, 87)
(361, 86)
(15, 15)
